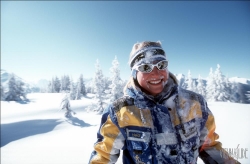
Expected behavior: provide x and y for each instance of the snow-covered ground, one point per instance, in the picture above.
(38, 133)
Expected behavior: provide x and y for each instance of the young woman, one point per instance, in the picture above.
(156, 121)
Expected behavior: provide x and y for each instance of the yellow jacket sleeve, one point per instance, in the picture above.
(110, 141)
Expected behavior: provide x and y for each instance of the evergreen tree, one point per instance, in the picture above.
(116, 85)
(2, 93)
(21, 93)
(182, 81)
(80, 88)
(201, 87)
(65, 104)
(99, 87)
(72, 92)
(190, 83)
(82, 85)
(107, 83)
(57, 85)
(68, 83)
(65, 83)
(220, 92)
(211, 86)
(15, 91)
(78, 94)
(62, 83)
(51, 86)
(12, 90)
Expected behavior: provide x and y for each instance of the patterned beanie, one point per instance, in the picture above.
(145, 52)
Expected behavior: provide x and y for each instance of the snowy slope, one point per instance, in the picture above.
(37, 133)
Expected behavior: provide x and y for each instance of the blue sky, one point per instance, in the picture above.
(43, 39)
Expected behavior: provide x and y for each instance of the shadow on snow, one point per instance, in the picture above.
(18, 130)
(22, 101)
(77, 122)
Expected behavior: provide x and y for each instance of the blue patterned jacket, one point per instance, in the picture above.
(174, 127)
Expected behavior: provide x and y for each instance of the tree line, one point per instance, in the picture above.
(216, 87)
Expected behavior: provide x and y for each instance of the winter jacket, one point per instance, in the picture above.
(174, 127)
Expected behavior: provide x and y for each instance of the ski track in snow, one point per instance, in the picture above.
(38, 133)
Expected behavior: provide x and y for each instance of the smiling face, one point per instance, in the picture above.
(153, 83)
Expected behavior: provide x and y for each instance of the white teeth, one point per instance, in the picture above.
(155, 82)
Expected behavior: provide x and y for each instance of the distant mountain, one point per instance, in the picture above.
(41, 85)
(5, 76)
(29, 87)
(243, 85)
(88, 82)
(240, 80)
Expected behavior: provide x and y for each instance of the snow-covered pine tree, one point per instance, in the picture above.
(65, 104)
(57, 85)
(15, 91)
(106, 84)
(52, 89)
(65, 83)
(190, 83)
(78, 94)
(49, 87)
(181, 79)
(201, 87)
(89, 89)
(12, 89)
(211, 86)
(80, 88)
(53, 85)
(116, 85)
(62, 89)
(68, 83)
(2, 93)
(72, 93)
(220, 92)
(21, 93)
(99, 88)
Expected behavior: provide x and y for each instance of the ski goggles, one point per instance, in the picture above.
(147, 68)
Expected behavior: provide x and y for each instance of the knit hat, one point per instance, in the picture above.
(146, 52)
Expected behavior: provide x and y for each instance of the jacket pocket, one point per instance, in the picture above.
(138, 146)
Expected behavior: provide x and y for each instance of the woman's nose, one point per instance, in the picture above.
(155, 70)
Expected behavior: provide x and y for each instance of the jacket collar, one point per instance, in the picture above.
(142, 99)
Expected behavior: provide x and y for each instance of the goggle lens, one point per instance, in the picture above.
(147, 68)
